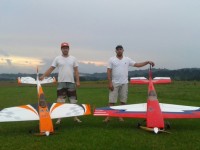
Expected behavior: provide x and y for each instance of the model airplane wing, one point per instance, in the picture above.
(30, 112)
(59, 110)
(171, 111)
(129, 111)
(19, 113)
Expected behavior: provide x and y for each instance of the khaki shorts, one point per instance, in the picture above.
(66, 90)
(120, 92)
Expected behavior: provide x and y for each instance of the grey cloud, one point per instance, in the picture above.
(91, 68)
(4, 53)
(152, 29)
(9, 62)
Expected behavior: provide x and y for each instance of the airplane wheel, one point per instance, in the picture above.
(168, 125)
(31, 131)
(138, 125)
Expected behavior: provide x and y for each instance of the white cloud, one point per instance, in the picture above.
(96, 63)
(20, 61)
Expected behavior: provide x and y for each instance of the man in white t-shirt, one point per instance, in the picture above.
(117, 73)
(67, 67)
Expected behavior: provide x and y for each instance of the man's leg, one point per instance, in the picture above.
(60, 99)
(72, 96)
(113, 96)
(61, 95)
(123, 94)
(108, 118)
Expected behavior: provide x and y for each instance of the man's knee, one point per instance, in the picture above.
(61, 99)
(72, 100)
(72, 96)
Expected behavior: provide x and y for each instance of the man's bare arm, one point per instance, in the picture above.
(47, 73)
(76, 74)
(109, 76)
(141, 64)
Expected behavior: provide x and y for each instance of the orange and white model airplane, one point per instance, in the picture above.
(153, 112)
(42, 111)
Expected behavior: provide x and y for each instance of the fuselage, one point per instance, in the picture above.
(154, 114)
(46, 125)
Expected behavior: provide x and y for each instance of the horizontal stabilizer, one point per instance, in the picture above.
(26, 80)
(48, 80)
(161, 80)
(30, 80)
(156, 80)
(139, 80)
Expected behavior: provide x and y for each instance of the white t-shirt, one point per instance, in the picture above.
(120, 69)
(65, 68)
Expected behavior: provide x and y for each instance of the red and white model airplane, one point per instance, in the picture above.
(42, 111)
(153, 112)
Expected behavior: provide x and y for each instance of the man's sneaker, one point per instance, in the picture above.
(77, 120)
(107, 119)
(58, 121)
(121, 119)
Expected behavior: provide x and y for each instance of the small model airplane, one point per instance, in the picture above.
(153, 112)
(42, 111)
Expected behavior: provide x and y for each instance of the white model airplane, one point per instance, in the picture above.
(153, 112)
(42, 111)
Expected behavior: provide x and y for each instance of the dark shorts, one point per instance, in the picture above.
(66, 90)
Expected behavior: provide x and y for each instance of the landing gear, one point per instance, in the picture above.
(141, 123)
(167, 125)
(138, 125)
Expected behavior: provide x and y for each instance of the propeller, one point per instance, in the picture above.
(155, 129)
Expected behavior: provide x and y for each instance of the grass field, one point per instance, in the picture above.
(92, 133)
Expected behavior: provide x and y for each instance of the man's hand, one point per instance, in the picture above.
(78, 84)
(151, 63)
(41, 78)
(110, 86)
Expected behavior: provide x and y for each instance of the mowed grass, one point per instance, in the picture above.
(92, 133)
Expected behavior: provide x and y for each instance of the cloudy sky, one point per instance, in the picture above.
(165, 31)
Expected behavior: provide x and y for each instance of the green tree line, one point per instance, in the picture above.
(185, 74)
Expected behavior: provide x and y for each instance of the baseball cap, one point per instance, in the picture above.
(64, 44)
(119, 47)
